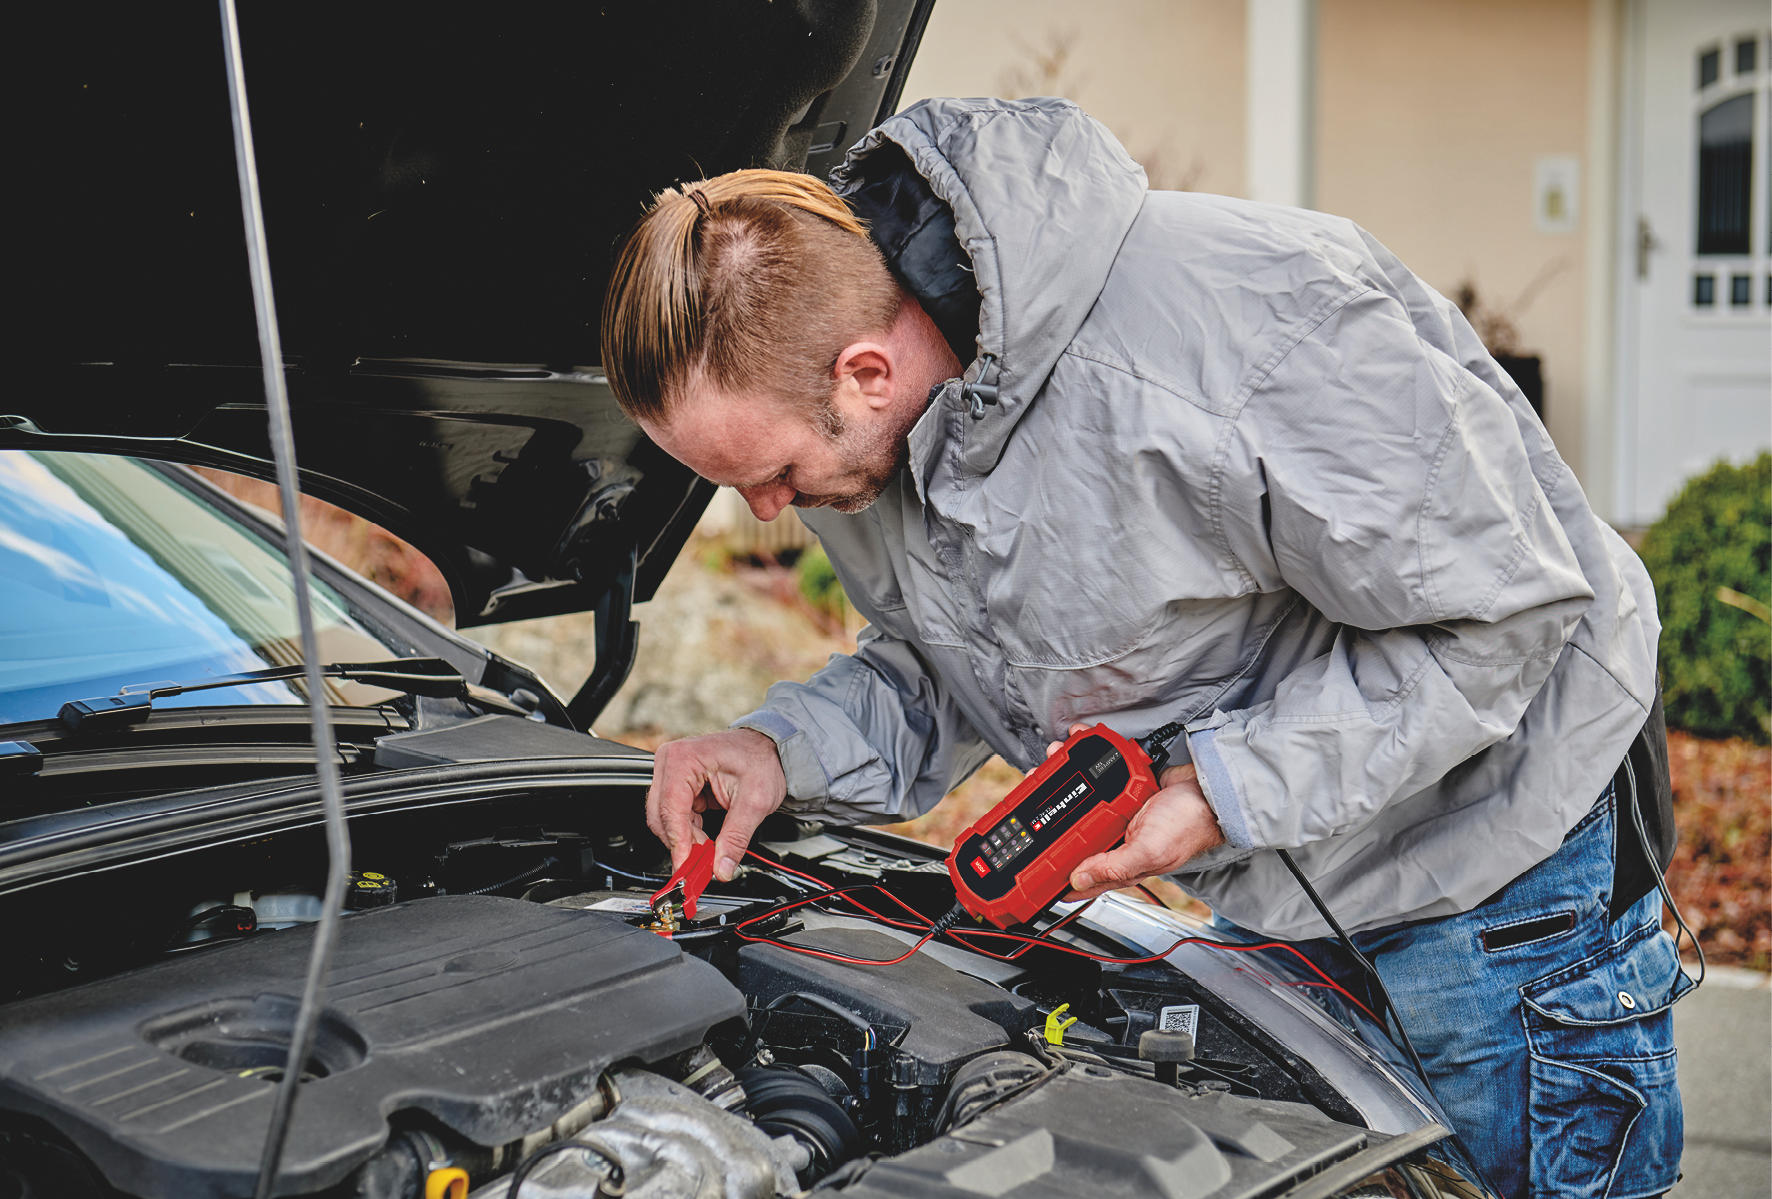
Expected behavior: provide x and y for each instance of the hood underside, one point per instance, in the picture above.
(444, 194)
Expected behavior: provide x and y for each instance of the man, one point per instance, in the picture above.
(1080, 451)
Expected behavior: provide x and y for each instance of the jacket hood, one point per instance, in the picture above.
(1042, 197)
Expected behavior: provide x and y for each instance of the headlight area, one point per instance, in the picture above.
(502, 1014)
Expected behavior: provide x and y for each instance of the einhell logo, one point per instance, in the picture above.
(1057, 807)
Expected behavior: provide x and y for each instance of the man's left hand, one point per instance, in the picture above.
(1174, 826)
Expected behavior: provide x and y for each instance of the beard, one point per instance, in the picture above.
(875, 452)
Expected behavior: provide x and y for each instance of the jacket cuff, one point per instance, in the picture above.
(809, 787)
(1220, 787)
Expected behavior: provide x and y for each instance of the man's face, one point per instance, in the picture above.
(777, 454)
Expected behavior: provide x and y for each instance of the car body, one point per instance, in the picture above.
(442, 197)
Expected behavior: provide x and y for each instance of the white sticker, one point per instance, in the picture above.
(620, 904)
(1182, 1017)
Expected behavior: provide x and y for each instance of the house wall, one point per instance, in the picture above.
(1430, 117)
(1165, 75)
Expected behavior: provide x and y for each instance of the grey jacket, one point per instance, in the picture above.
(1245, 471)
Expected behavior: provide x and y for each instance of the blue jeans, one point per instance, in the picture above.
(1545, 1025)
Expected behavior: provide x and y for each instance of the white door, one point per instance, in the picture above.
(1696, 288)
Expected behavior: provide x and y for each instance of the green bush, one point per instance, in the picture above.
(1711, 558)
(818, 582)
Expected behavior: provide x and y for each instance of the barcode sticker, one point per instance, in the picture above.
(1182, 1017)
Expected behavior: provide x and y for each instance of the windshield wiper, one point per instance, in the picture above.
(131, 704)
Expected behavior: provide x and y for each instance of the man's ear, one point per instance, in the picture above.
(865, 368)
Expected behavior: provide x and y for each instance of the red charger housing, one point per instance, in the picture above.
(1009, 866)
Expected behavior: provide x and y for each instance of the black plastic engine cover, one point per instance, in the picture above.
(495, 1016)
(1097, 1132)
(948, 1017)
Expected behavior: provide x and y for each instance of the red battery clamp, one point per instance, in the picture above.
(1013, 863)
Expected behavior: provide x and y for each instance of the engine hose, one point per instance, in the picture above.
(986, 1081)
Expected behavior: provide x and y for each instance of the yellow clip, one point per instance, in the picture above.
(447, 1182)
(1055, 1026)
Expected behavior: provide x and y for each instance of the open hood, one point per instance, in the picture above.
(445, 189)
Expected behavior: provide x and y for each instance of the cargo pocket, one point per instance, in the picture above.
(1604, 1114)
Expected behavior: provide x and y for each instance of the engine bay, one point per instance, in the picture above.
(504, 1017)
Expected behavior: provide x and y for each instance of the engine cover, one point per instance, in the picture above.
(494, 1016)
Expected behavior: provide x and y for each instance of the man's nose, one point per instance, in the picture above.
(767, 499)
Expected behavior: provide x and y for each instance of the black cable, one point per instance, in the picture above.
(869, 1038)
(282, 444)
(798, 885)
(1160, 738)
(739, 927)
(1156, 745)
(854, 1019)
(950, 918)
(629, 874)
(1636, 812)
(1377, 981)
(615, 1178)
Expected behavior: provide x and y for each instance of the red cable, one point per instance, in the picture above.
(738, 931)
(774, 865)
(900, 924)
(1327, 982)
(1027, 942)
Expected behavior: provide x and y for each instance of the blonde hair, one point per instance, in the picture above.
(755, 279)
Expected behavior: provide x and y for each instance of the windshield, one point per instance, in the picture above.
(111, 573)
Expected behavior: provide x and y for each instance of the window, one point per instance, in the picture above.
(1725, 175)
(115, 572)
(1709, 66)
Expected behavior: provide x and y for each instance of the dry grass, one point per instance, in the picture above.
(1722, 871)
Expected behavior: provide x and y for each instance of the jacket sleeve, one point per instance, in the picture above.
(873, 735)
(1392, 488)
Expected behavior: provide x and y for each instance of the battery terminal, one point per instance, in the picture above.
(674, 903)
(667, 918)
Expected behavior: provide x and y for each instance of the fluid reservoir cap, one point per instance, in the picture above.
(368, 889)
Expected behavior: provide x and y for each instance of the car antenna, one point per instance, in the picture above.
(338, 841)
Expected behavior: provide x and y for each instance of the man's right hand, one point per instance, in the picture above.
(737, 770)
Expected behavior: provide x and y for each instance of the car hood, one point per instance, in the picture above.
(444, 192)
